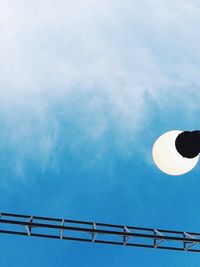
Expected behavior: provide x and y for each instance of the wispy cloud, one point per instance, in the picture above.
(95, 58)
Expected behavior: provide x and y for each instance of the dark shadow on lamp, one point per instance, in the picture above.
(188, 144)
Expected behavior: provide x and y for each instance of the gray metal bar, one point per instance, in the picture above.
(61, 231)
(126, 238)
(28, 228)
(94, 235)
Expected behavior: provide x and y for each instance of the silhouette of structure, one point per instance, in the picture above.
(102, 233)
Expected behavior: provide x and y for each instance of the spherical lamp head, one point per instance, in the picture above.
(168, 159)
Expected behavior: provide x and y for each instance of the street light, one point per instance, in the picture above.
(177, 152)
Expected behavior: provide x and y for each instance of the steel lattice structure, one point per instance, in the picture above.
(102, 233)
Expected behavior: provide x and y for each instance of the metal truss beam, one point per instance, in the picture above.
(28, 225)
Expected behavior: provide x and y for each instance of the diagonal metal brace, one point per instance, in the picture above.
(94, 234)
(28, 228)
(62, 231)
(192, 244)
(157, 244)
(126, 238)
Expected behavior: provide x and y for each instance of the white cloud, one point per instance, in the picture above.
(112, 51)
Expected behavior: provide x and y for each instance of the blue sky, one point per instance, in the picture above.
(85, 89)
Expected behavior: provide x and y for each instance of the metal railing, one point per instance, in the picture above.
(28, 225)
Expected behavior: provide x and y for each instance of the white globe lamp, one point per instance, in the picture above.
(177, 152)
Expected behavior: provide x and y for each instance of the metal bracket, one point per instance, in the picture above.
(186, 248)
(126, 238)
(28, 228)
(157, 244)
(62, 231)
(94, 234)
